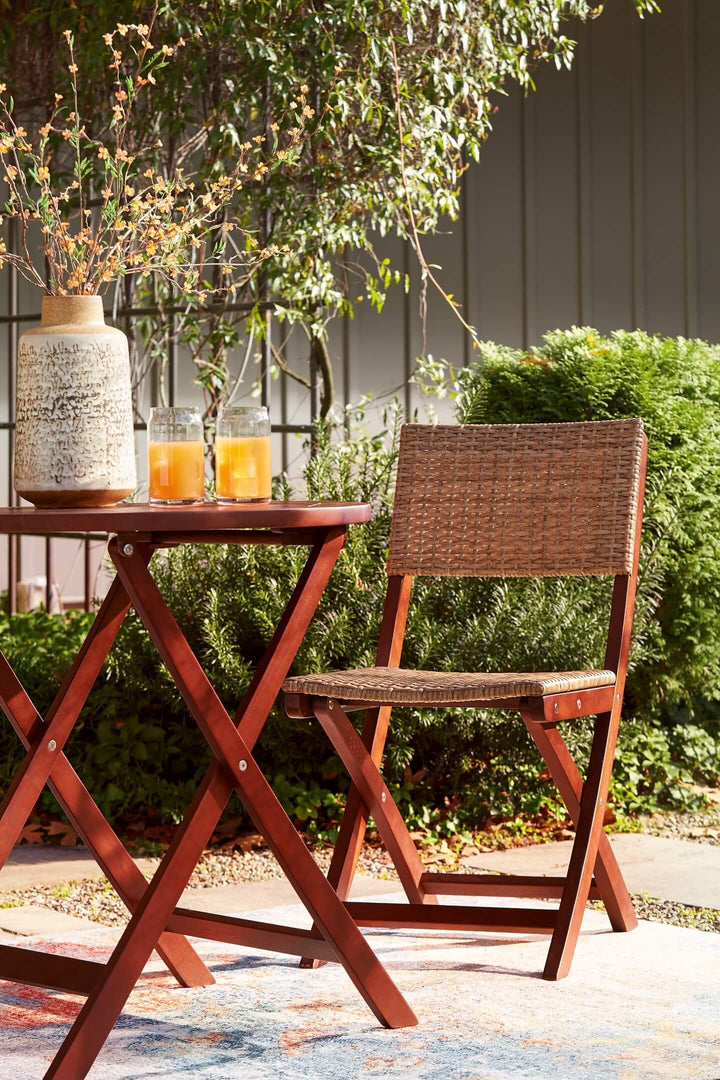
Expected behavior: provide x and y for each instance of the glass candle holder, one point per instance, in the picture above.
(176, 462)
(243, 471)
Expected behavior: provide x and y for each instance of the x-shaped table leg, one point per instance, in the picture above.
(46, 763)
(234, 768)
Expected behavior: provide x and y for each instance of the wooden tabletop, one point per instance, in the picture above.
(205, 517)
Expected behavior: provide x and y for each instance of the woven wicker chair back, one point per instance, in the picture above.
(517, 500)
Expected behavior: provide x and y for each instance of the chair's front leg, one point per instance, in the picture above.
(375, 796)
(348, 846)
(353, 825)
(346, 854)
(585, 847)
(374, 735)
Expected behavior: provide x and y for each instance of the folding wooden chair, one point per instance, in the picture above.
(497, 501)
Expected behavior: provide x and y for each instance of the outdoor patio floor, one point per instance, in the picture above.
(638, 1006)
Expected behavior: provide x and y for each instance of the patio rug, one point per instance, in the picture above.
(638, 1006)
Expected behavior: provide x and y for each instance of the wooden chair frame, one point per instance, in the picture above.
(593, 872)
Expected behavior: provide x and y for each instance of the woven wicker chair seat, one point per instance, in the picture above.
(400, 686)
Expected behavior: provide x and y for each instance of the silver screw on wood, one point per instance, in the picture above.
(556, 707)
(330, 704)
(52, 745)
(383, 796)
(579, 703)
(128, 549)
(242, 766)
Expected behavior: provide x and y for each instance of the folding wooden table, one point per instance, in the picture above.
(157, 922)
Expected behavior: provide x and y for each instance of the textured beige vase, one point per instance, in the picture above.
(74, 443)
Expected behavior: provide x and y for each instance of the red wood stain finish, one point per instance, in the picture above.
(156, 923)
(141, 517)
(593, 871)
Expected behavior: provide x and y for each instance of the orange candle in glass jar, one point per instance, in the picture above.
(176, 471)
(243, 469)
(243, 472)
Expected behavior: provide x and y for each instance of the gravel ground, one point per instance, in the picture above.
(667, 911)
(96, 900)
(702, 827)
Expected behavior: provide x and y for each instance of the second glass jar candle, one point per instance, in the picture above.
(243, 471)
(176, 456)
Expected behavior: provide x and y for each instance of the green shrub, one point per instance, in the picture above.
(129, 750)
(674, 385)
(136, 746)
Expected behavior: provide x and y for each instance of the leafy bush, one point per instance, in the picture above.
(452, 769)
(674, 385)
(127, 755)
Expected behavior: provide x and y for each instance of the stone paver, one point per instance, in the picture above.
(665, 868)
(31, 920)
(254, 895)
(40, 864)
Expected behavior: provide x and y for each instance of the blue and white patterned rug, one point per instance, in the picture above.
(638, 1006)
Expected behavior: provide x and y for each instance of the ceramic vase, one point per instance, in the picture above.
(74, 439)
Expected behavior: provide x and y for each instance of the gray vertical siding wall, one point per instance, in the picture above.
(597, 198)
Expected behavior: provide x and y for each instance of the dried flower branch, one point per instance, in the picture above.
(145, 222)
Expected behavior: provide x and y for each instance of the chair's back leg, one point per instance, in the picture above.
(568, 781)
(355, 818)
(594, 792)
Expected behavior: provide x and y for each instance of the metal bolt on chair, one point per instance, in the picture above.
(500, 500)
